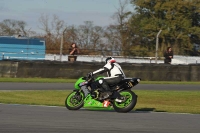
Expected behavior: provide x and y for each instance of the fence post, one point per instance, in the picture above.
(61, 44)
(54, 57)
(157, 41)
(101, 58)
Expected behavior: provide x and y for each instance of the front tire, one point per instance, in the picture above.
(128, 104)
(75, 100)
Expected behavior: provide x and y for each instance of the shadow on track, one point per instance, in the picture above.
(101, 109)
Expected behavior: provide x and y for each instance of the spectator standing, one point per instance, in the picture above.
(168, 55)
(73, 52)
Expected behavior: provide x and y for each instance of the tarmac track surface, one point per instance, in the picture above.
(42, 119)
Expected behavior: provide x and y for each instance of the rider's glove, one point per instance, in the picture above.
(90, 74)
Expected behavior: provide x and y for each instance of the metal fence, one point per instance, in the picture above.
(99, 58)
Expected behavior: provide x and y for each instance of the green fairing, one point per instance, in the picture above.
(80, 80)
(90, 103)
(98, 78)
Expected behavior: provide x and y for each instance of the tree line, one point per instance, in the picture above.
(133, 34)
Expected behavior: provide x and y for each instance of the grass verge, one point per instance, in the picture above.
(38, 80)
(157, 101)
(61, 80)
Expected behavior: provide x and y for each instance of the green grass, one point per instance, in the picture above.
(169, 101)
(51, 98)
(62, 80)
(171, 82)
(38, 80)
(158, 101)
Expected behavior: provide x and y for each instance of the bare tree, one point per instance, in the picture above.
(44, 22)
(96, 37)
(84, 33)
(112, 39)
(53, 31)
(21, 27)
(12, 27)
(89, 37)
(8, 27)
(122, 16)
(57, 26)
(71, 34)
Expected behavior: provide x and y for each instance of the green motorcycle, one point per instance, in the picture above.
(85, 95)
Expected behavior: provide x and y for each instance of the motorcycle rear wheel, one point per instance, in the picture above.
(128, 104)
(75, 100)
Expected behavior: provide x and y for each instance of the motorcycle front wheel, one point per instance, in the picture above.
(75, 100)
(128, 104)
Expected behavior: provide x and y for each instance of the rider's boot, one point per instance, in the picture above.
(118, 97)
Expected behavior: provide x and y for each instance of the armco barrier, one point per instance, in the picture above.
(53, 69)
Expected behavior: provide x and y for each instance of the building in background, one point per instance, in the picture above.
(21, 48)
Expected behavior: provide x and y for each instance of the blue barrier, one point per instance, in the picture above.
(22, 48)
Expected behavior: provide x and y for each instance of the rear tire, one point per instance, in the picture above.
(75, 100)
(128, 104)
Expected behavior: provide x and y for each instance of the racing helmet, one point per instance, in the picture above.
(110, 60)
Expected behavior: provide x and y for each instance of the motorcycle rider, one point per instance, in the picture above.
(115, 75)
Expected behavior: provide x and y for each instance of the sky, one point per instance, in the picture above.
(73, 12)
